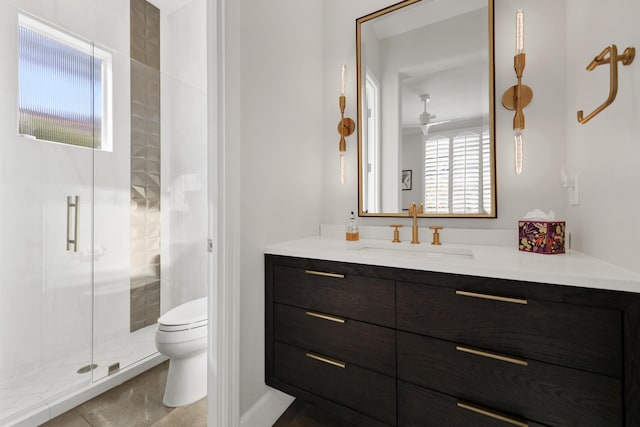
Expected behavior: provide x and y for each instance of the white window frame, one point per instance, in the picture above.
(106, 137)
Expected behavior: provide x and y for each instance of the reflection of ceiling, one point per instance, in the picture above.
(423, 13)
(448, 88)
(453, 70)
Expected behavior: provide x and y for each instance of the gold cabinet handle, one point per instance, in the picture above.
(490, 355)
(327, 360)
(491, 297)
(325, 274)
(325, 317)
(491, 414)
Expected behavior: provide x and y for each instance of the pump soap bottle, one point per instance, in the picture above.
(352, 228)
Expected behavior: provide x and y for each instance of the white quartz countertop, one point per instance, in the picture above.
(503, 262)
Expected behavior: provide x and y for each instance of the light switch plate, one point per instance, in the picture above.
(574, 191)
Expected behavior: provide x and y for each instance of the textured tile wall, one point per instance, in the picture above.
(145, 164)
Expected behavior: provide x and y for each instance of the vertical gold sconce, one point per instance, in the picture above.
(519, 96)
(346, 126)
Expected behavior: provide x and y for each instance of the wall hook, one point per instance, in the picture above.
(626, 58)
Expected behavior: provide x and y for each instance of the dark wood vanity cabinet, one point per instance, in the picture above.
(330, 335)
(389, 346)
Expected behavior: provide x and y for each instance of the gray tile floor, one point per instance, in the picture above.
(135, 403)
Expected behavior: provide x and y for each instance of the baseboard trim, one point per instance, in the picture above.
(267, 409)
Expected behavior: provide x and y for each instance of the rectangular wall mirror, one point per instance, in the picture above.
(426, 109)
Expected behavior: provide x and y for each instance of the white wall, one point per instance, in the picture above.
(604, 152)
(280, 136)
(339, 41)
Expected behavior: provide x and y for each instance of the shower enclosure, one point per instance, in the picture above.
(103, 173)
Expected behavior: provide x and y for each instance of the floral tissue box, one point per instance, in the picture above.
(542, 237)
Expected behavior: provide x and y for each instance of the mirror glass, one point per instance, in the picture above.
(425, 109)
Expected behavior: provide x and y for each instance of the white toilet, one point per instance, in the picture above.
(182, 336)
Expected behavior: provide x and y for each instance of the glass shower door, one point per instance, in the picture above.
(46, 193)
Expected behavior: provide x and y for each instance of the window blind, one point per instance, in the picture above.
(458, 174)
(436, 175)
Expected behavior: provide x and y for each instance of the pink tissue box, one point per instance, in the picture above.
(541, 237)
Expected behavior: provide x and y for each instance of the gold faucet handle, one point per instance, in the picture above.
(436, 235)
(396, 233)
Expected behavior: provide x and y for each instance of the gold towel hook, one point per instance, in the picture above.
(626, 58)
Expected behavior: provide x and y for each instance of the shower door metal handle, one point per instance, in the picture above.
(72, 203)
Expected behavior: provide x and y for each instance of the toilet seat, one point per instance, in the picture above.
(178, 328)
(190, 315)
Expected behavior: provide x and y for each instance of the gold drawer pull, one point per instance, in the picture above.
(322, 273)
(333, 362)
(491, 297)
(492, 415)
(496, 356)
(325, 317)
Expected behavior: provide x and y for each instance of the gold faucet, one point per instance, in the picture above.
(413, 212)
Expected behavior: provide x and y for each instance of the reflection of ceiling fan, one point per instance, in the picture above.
(426, 118)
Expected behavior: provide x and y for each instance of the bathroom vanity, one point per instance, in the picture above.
(417, 339)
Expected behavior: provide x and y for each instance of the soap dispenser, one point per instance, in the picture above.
(352, 228)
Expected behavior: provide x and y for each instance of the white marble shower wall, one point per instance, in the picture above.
(183, 151)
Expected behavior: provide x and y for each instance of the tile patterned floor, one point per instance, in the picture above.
(135, 403)
(29, 387)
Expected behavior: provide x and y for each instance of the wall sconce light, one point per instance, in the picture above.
(519, 96)
(346, 126)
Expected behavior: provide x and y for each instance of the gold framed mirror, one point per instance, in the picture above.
(425, 84)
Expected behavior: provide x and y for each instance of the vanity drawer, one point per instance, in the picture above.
(362, 298)
(419, 407)
(587, 338)
(362, 344)
(550, 394)
(360, 389)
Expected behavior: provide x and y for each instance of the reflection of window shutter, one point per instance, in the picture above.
(457, 174)
(486, 172)
(60, 90)
(436, 175)
(465, 182)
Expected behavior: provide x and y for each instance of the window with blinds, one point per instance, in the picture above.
(62, 87)
(457, 174)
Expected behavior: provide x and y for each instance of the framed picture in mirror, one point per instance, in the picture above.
(407, 179)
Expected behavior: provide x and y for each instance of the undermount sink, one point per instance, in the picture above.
(416, 250)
